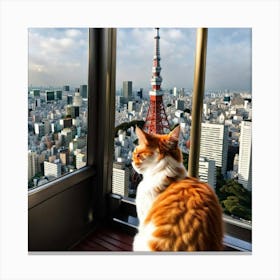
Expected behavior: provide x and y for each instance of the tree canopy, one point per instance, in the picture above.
(234, 198)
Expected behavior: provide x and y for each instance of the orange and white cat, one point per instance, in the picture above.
(176, 212)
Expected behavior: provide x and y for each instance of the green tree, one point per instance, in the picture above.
(234, 198)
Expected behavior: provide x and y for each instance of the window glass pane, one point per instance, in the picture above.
(57, 103)
(225, 149)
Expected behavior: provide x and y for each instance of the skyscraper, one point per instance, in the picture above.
(207, 171)
(156, 120)
(120, 179)
(245, 155)
(35, 93)
(214, 144)
(66, 88)
(77, 99)
(49, 94)
(179, 104)
(33, 164)
(39, 129)
(127, 90)
(58, 94)
(83, 91)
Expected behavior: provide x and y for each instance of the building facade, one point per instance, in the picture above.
(120, 179)
(83, 91)
(245, 155)
(214, 144)
(52, 169)
(33, 164)
(127, 90)
(207, 172)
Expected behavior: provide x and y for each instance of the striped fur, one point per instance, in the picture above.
(176, 213)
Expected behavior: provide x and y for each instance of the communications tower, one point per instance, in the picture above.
(156, 120)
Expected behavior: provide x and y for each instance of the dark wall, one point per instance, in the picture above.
(60, 221)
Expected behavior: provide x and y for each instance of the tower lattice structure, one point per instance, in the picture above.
(156, 120)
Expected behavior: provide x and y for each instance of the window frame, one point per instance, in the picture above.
(237, 236)
(100, 144)
(101, 93)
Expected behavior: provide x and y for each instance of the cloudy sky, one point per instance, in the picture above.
(59, 56)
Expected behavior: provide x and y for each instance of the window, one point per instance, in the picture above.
(225, 148)
(57, 103)
(113, 116)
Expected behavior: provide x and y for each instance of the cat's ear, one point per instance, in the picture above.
(142, 136)
(173, 137)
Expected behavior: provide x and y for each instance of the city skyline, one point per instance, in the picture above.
(59, 56)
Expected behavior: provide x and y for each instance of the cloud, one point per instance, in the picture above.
(136, 50)
(229, 59)
(57, 56)
(73, 33)
(61, 55)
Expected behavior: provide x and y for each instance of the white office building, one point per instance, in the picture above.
(245, 155)
(214, 144)
(120, 179)
(81, 160)
(207, 172)
(77, 100)
(52, 169)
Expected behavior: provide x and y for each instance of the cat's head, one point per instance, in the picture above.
(152, 148)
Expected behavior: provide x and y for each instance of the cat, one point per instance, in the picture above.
(175, 212)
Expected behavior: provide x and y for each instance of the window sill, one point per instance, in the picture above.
(237, 234)
(44, 192)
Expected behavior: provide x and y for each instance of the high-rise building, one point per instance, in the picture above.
(58, 94)
(131, 106)
(120, 179)
(156, 120)
(175, 92)
(207, 171)
(127, 90)
(66, 88)
(35, 93)
(39, 129)
(69, 99)
(33, 164)
(81, 160)
(52, 169)
(64, 156)
(76, 111)
(245, 155)
(205, 109)
(214, 144)
(77, 100)
(140, 93)
(49, 94)
(84, 91)
(179, 104)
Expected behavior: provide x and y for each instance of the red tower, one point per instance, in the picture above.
(156, 120)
